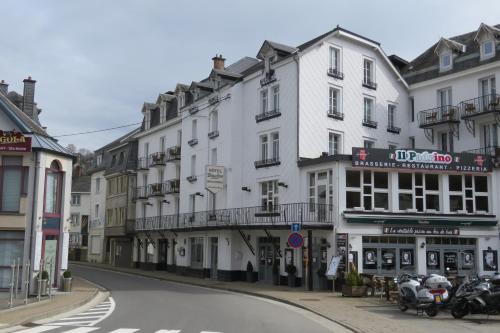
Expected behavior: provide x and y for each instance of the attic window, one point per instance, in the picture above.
(487, 49)
(445, 62)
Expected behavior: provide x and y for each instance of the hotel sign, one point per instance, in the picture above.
(215, 178)
(420, 159)
(13, 141)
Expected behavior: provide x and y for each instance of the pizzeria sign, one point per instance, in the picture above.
(420, 159)
(13, 141)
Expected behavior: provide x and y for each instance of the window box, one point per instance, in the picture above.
(213, 134)
(369, 123)
(191, 179)
(369, 84)
(267, 115)
(335, 115)
(193, 142)
(267, 163)
(193, 109)
(335, 73)
(393, 129)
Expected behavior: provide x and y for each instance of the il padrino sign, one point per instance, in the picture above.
(420, 159)
(14, 142)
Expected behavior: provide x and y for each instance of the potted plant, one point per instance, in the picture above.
(353, 286)
(250, 275)
(323, 280)
(291, 271)
(67, 281)
(276, 274)
(41, 282)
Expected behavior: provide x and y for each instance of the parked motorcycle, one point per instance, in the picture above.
(478, 296)
(413, 294)
(440, 287)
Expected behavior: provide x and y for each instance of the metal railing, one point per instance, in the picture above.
(369, 123)
(334, 72)
(172, 186)
(479, 105)
(267, 115)
(140, 193)
(281, 215)
(334, 113)
(174, 153)
(439, 115)
(369, 84)
(490, 150)
(157, 159)
(267, 162)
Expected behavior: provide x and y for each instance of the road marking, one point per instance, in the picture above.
(168, 331)
(88, 318)
(79, 317)
(209, 332)
(38, 329)
(125, 330)
(82, 330)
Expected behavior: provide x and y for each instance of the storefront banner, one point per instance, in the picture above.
(436, 231)
(14, 142)
(420, 159)
(490, 260)
(341, 241)
(334, 265)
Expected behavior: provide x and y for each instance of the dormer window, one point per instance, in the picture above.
(445, 62)
(487, 49)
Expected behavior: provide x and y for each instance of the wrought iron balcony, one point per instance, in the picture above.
(191, 178)
(193, 142)
(438, 116)
(267, 115)
(156, 190)
(143, 163)
(369, 84)
(335, 73)
(333, 113)
(267, 162)
(370, 123)
(75, 239)
(493, 151)
(174, 153)
(393, 129)
(172, 186)
(280, 216)
(213, 134)
(140, 193)
(479, 106)
(157, 159)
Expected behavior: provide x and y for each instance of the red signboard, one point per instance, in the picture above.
(13, 141)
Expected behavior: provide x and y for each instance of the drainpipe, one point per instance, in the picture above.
(33, 213)
(296, 59)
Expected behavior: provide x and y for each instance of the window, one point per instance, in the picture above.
(121, 158)
(196, 251)
(446, 141)
(113, 161)
(276, 98)
(275, 137)
(412, 142)
(334, 101)
(368, 144)
(214, 121)
(97, 185)
(444, 97)
(194, 129)
(96, 211)
(52, 192)
(263, 101)
(321, 191)
(445, 62)
(489, 135)
(75, 199)
(150, 250)
(74, 219)
(263, 147)
(98, 160)
(412, 109)
(391, 115)
(487, 49)
(393, 147)
(334, 144)
(193, 165)
(368, 110)
(468, 193)
(334, 60)
(419, 192)
(269, 196)
(372, 195)
(162, 144)
(214, 156)
(368, 77)
(14, 183)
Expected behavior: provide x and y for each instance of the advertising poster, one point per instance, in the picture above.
(490, 260)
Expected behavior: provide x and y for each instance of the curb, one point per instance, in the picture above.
(250, 293)
(54, 312)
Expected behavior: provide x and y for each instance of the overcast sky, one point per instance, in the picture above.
(97, 61)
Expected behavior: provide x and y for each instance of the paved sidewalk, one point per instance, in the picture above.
(352, 313)
(82, 293)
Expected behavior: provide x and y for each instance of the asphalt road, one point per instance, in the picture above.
(149, 305)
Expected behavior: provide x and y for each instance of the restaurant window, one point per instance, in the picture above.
(372, 194)
(419, 192)
(269, 196)
(196, 251)
(14, 183)
(468, 193)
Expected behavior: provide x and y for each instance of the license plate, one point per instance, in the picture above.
(437, 299)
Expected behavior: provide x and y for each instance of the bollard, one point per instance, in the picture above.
(50, 279)
(17, 276)
(27, 283)
(11, 293)
(40, 270)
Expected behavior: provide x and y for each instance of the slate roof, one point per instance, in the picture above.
(426, 66)
(81, 184)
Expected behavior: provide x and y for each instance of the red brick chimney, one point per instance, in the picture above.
(218, 62)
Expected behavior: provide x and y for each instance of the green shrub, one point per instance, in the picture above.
(44, 275)
(67, 274)
(353, 279)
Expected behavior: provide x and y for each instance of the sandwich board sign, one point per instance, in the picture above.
(215, 178)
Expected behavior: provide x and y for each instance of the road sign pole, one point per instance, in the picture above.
(309, 259)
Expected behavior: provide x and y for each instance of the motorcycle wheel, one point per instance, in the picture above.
(432, 310)
(402, 306)
(458, 311)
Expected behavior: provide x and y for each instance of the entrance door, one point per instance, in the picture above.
(267, 257)
(488, 91)
(50, 256)
(162, 254)
(214, 253)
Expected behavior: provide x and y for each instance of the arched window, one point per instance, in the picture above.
(55, 165)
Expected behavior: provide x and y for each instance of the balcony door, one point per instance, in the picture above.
(444, 97)
(487, 87)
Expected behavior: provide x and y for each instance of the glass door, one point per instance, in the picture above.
(214, 245)
(162, 253)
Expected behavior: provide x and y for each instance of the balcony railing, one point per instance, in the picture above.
(173, 153)
(172, 186)
(267, 162)
(369, 123)
(191, 179)
(193, 109)
(268, 79)
(267, 115)
(75, 239)
(393, 129)
(193, 142)
(143, 163)
(440, 115)
(335, 114)
(479, 106)
(213, 134)
(369, 84)
(282, 215)
(335, 73)
(140, 193)
(489, 151)
(157, 159)
(156, 190)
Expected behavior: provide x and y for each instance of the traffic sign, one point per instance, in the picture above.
(295, 240)
(296, 227)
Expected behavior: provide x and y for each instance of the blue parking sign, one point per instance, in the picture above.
(296, 227)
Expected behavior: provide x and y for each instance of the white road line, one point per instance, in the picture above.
(168, 331)
(79, 317)
(74, 323)
(209, 332)
(110, 311)
(82, 330)
(125, 330)
(38, 329)
(96, 312)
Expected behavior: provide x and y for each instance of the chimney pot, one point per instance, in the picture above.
(218, 62)
(4, 87)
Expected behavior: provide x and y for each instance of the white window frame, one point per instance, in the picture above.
(275, 142)
(264, 101)
(98, 185)
(413, 191)
(75, 199)
(276, 98)
(368, 71)
(391, 115)
(485, 55)
(334, 148)
(368, 108)
(269, 195)
(334, 102)
(475, 193)
(214, 121)
(75, 221)
(334, 63)
(147, 120)
(264, 147)
(442, 57)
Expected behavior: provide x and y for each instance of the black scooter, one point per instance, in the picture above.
(478, 296)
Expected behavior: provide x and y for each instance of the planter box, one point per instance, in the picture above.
(353, 291)
(67, 284)
(43, 286)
